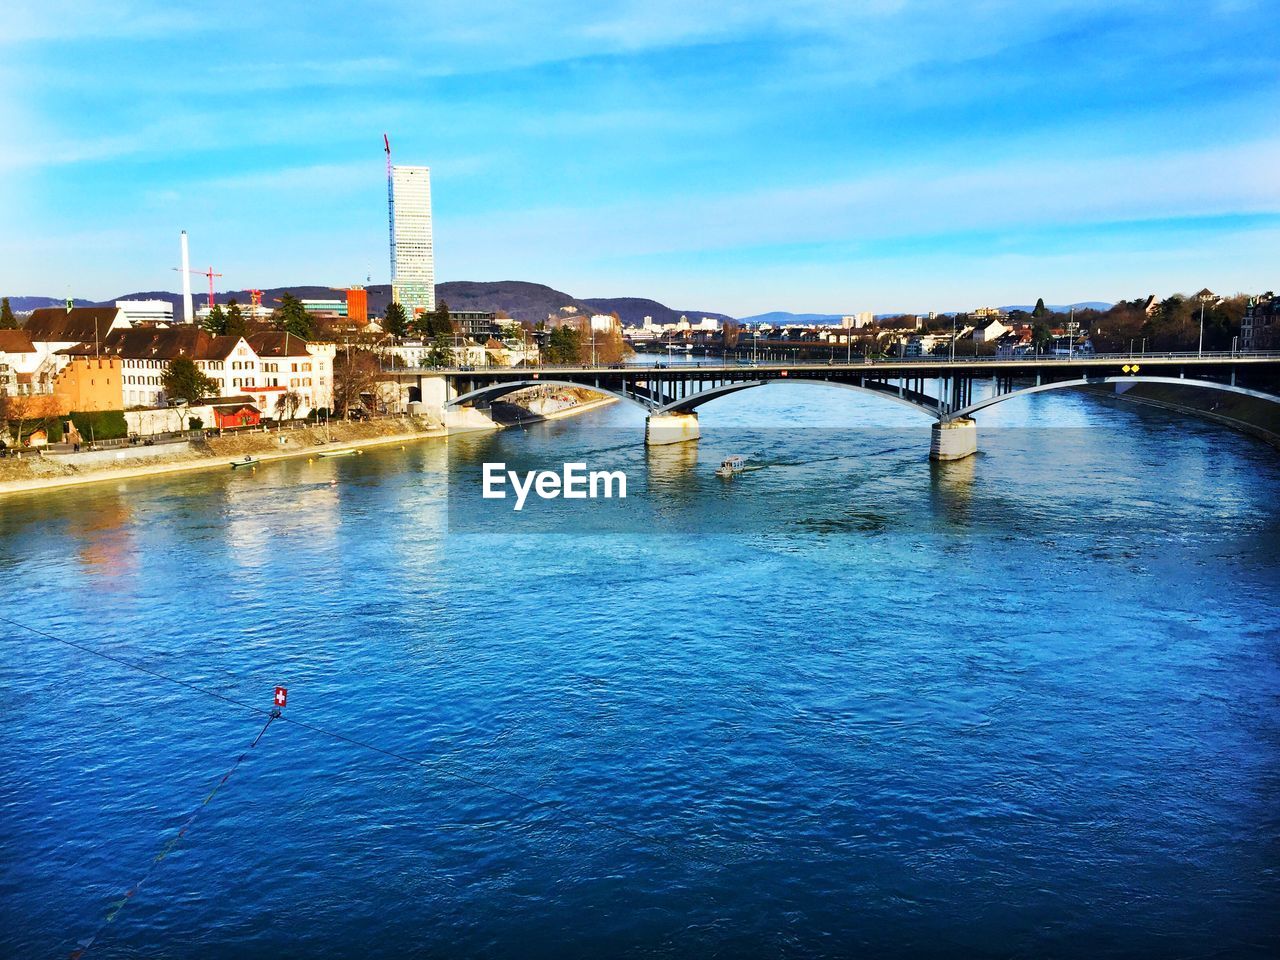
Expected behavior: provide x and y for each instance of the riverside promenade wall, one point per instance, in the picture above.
(1258, 418)
(33, 473)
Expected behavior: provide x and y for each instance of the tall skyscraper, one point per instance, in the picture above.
(414, 282)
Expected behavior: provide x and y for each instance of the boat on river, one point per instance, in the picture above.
(731, 465)
(338, 453)
(248, 461)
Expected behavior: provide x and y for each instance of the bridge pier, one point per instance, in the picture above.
(466, 419)
(434, 392)
(664, 428)
(954, 439)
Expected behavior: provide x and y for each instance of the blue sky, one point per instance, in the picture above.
(742, 157)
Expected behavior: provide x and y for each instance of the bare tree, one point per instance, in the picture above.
(20, 408)
(355, 373)
(287, 404)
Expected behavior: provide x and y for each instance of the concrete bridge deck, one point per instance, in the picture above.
(940, 387)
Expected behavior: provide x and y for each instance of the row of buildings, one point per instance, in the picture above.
(352, 306)
(97, 358)
(1260, 327)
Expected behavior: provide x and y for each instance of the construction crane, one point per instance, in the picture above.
(391, 213)
(204, 273)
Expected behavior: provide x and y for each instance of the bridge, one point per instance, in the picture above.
(938, 387)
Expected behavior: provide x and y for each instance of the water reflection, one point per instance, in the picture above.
(105, 535)
(951, 489)
(671, 464)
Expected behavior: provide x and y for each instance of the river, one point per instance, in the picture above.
(847, 702)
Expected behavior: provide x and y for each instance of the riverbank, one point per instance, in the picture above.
(34, 473)
(1258, 418)
(586, 401)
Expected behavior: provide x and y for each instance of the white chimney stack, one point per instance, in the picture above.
(188, 312)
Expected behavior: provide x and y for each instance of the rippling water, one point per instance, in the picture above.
(849, 703)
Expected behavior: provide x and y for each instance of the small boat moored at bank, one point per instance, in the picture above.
(731, 465)
(248, 461)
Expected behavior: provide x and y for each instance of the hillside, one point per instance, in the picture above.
(782, 316)
(518, 298)
(1062, 307)
(522, 300)
(633, 310)
(27, 304)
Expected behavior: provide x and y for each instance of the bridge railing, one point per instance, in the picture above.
(932, 359)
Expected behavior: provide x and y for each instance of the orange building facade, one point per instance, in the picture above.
(358, 305)
(89, 384)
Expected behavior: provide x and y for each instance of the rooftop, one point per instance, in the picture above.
(60, 325)
(16, 341)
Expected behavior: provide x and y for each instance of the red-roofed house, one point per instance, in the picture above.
(18, 358)
(145, 352)
(238, 411)
(290, 364)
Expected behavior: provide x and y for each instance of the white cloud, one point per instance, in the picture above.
(928, 199)
(27, 21)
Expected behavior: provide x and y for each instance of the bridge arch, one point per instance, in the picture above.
(495, 391)
(691, 403)
(919, 402)
(1095, 381)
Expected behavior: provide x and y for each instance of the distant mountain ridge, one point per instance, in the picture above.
(632, 310)
(518, 298)
(27, 304)
(521, 299)
(784, 316)
(1063, 307)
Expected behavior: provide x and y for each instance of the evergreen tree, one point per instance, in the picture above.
(1040, 309)
(183, 380)
(293, 317)
(237, 325)
(235, 314)
(7, 320)
(440, 321)
(215, 324)
(564, 346)
(395, 321)
(441, 353)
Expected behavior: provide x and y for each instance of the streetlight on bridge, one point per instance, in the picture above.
(1204, 296)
